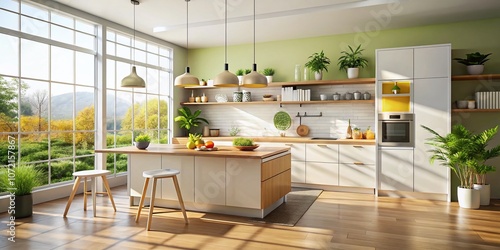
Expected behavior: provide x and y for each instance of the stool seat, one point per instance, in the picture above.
(160, 173)
(155, 175)
(91, 173)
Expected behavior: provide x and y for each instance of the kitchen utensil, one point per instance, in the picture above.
(367, 96)
(247, 96)
(237, 96)
(357, 95)
(336, 96)
(303, 130)
(348, 95)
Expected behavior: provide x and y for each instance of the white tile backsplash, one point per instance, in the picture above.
(257, 119)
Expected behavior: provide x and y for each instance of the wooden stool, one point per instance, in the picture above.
(89, 174)
(157, 174)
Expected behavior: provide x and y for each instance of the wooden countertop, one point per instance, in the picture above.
(180, 149)
(183, 140)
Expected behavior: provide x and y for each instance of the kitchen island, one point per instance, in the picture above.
(227, 181)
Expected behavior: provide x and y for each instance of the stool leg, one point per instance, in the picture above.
(179, 196)
(84, 193)
(151, 204)
(93, 189)
(72, 195)
(108, 190)
(143, 196)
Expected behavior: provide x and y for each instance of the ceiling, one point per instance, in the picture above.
(279, 19)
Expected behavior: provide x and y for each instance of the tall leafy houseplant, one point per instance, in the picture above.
(189, 120)
(351, 61)
(20, 182)
(317, 63)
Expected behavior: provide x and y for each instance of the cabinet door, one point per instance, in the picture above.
(299, 171)
(322, 153)
(322, 173)
(357, 175)
(433, 61)
(138, 164)
(210, 180)
(357, 154)
(243, 182)
(432, 109)
(396, 169)
(394, 64)
(185, 164)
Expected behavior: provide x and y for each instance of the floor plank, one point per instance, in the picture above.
(335, 221)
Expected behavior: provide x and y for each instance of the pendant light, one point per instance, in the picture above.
(133, 80)
(186, 79)
(254, 79)
(226, 78)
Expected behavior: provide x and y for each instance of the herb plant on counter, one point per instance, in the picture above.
(241, 141)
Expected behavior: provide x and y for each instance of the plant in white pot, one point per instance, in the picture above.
(240, 73)
(268, 72)
(481, 185)
(351, 61)
(474, 62)
(317, 63)
(19, 182)
(461, 151)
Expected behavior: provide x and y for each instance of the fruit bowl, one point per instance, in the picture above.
(247, 148)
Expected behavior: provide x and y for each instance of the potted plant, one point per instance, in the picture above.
(142, 141)
(317, 63)
(268, 72)
(351, 61)
(481, 185)
(474, 62)
(462, 151)
(189, 120)
(240, 73)
(19, 182)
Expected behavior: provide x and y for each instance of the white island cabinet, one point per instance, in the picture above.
(228, 181)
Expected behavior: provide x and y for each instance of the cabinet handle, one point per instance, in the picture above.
(357, 146)
(288, 144)
(358, 163)
(322, 145)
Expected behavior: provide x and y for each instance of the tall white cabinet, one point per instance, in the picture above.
(428, 69)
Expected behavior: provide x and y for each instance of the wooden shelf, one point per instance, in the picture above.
(474, 110)
(325, 82)
(200, 87)
(396, 95)
(276, 102)
(475, 77)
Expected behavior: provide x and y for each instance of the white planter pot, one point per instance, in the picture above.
(475, 69)
(352, 73)
(484, 191)
(240, 79)
(269, 79)
(318, 75)
(468, 198)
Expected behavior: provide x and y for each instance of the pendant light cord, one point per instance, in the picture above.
(225, 32)
(254, 31)
(134, 2)
(187, 32)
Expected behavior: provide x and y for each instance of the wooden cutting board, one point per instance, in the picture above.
(303, 130)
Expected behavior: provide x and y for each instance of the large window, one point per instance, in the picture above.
(48, 90)
(137, 110)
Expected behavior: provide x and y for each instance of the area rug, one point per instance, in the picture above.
(290, 212)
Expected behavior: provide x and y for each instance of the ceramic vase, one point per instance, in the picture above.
(352, 73)
(485, 193)
(475, 69)
(468, 198)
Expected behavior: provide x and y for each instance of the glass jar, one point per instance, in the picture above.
(297, 72)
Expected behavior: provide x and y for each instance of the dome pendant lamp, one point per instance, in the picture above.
(226, 78)
(254, 79)
(133, 80)
(186, 79)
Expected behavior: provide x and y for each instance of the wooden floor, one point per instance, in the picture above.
(334, 221)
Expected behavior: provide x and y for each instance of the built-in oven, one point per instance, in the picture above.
(396, 130)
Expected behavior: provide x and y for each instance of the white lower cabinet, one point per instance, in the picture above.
(299, 171)
(357, 175)
(185, 164)
(210, 180)
(396, 169)
(322, 173)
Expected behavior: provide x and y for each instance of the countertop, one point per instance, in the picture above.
(180, 149)
(286, 139)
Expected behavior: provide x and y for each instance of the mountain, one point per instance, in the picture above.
(62, 110)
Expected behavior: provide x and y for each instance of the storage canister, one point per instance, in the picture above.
(237, 96)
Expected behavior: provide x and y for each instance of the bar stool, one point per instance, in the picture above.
(89, 174)
(155, 175)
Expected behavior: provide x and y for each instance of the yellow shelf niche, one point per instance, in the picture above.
(396, 104)
(404, 86)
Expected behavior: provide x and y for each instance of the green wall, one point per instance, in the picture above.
(283, 55)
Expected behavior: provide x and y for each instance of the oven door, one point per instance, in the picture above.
(396, 133)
